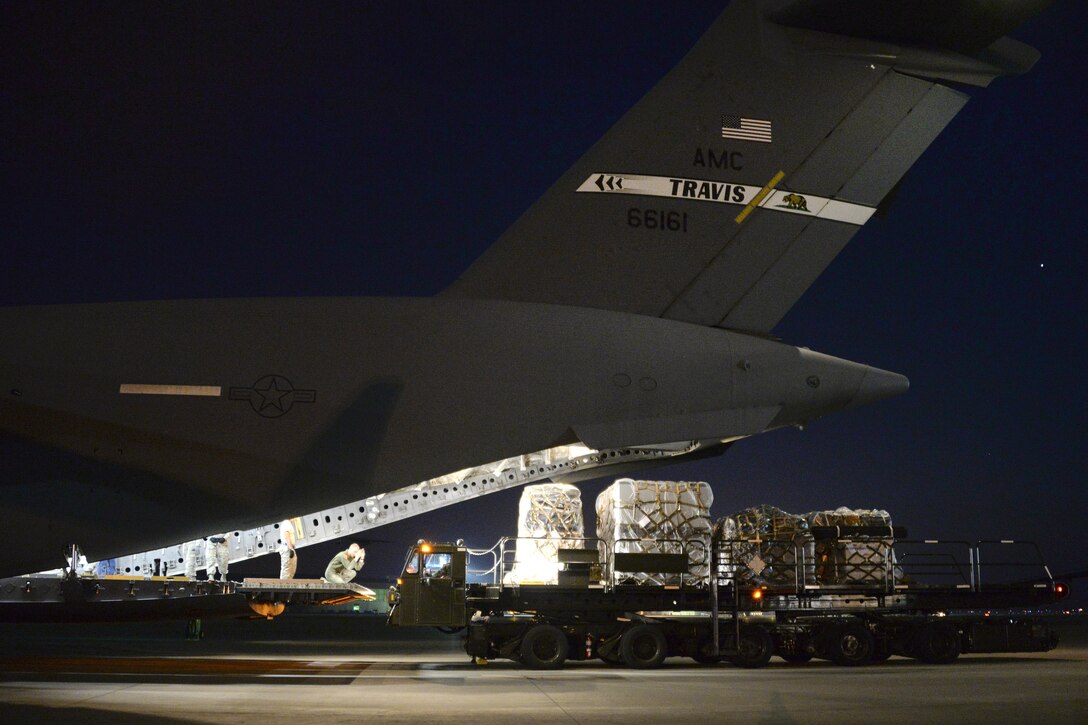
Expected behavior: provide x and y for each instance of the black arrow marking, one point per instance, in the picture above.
(612, 182)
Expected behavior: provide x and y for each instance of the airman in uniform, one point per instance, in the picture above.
(191, 552)
(345, 565)
(288, 555)
(217, 557)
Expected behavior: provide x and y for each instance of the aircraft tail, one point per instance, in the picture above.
(724, 193)
(967, 28)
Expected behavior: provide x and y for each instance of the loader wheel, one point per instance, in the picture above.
(643, 647)
(936, 643)
(754, 649)
(850, 644)
(544, 647)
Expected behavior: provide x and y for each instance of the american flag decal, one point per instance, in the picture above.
(746, 129)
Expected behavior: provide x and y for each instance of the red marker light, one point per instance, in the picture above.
(1061, 590)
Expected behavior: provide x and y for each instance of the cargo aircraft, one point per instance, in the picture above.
(633, 305)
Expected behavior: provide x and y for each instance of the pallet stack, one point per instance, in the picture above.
(655, 517)
(549, 516)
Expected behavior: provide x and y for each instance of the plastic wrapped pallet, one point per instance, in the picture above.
(764, 545)
(658, 517)
(856, 560)
(549, 516)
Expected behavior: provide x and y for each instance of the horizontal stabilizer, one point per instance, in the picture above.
(966, 27)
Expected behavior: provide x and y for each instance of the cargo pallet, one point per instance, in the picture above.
(114, 598)
(886, 596)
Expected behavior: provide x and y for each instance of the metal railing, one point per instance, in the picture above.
(876, 564)
(501, 560)
(849, 564)
(508, 550)
(1014, 571)
(684, 546)
(936, 563)
(470, 571)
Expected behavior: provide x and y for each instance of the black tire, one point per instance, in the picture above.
(796, 658)
(450, 630)
(544, 647)
(850, 644)
(937, 643)
(754, 649)
(643, 647)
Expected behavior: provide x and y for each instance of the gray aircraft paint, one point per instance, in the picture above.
(107, 443)
(399, 390)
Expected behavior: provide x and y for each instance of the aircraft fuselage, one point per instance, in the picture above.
(130, 425)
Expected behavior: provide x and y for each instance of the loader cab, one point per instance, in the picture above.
(430, 590)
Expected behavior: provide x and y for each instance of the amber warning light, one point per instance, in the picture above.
(757, 594)
(1061, 590)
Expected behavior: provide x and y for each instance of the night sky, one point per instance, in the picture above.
(169, 151)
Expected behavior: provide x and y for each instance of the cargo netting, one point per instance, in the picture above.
(655, 517)
(549, 515)
(765, 545)
(867, 559)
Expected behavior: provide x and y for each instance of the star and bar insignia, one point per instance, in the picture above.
(272, 396)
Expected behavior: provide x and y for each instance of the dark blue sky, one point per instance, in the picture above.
(377, 149)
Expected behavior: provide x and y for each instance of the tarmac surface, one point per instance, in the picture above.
(323, 669)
